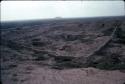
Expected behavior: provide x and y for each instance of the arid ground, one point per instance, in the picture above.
(63, 51)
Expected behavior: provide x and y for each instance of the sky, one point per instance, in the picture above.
(26, 10)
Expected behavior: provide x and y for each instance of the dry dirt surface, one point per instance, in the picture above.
(67, 51)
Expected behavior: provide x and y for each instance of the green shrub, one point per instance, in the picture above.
(43, 55)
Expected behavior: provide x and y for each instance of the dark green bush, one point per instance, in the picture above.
(43, 55)
(38, 43)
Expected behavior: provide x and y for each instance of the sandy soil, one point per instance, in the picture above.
(63, 52)
(27, 73)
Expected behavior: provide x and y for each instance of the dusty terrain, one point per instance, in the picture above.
(67, 51)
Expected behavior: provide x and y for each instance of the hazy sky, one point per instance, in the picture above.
(23, 10)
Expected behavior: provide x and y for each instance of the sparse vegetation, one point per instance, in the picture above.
(38, 43)
(66, 44)
(120, 35)
(107, 32)
(43, 55)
